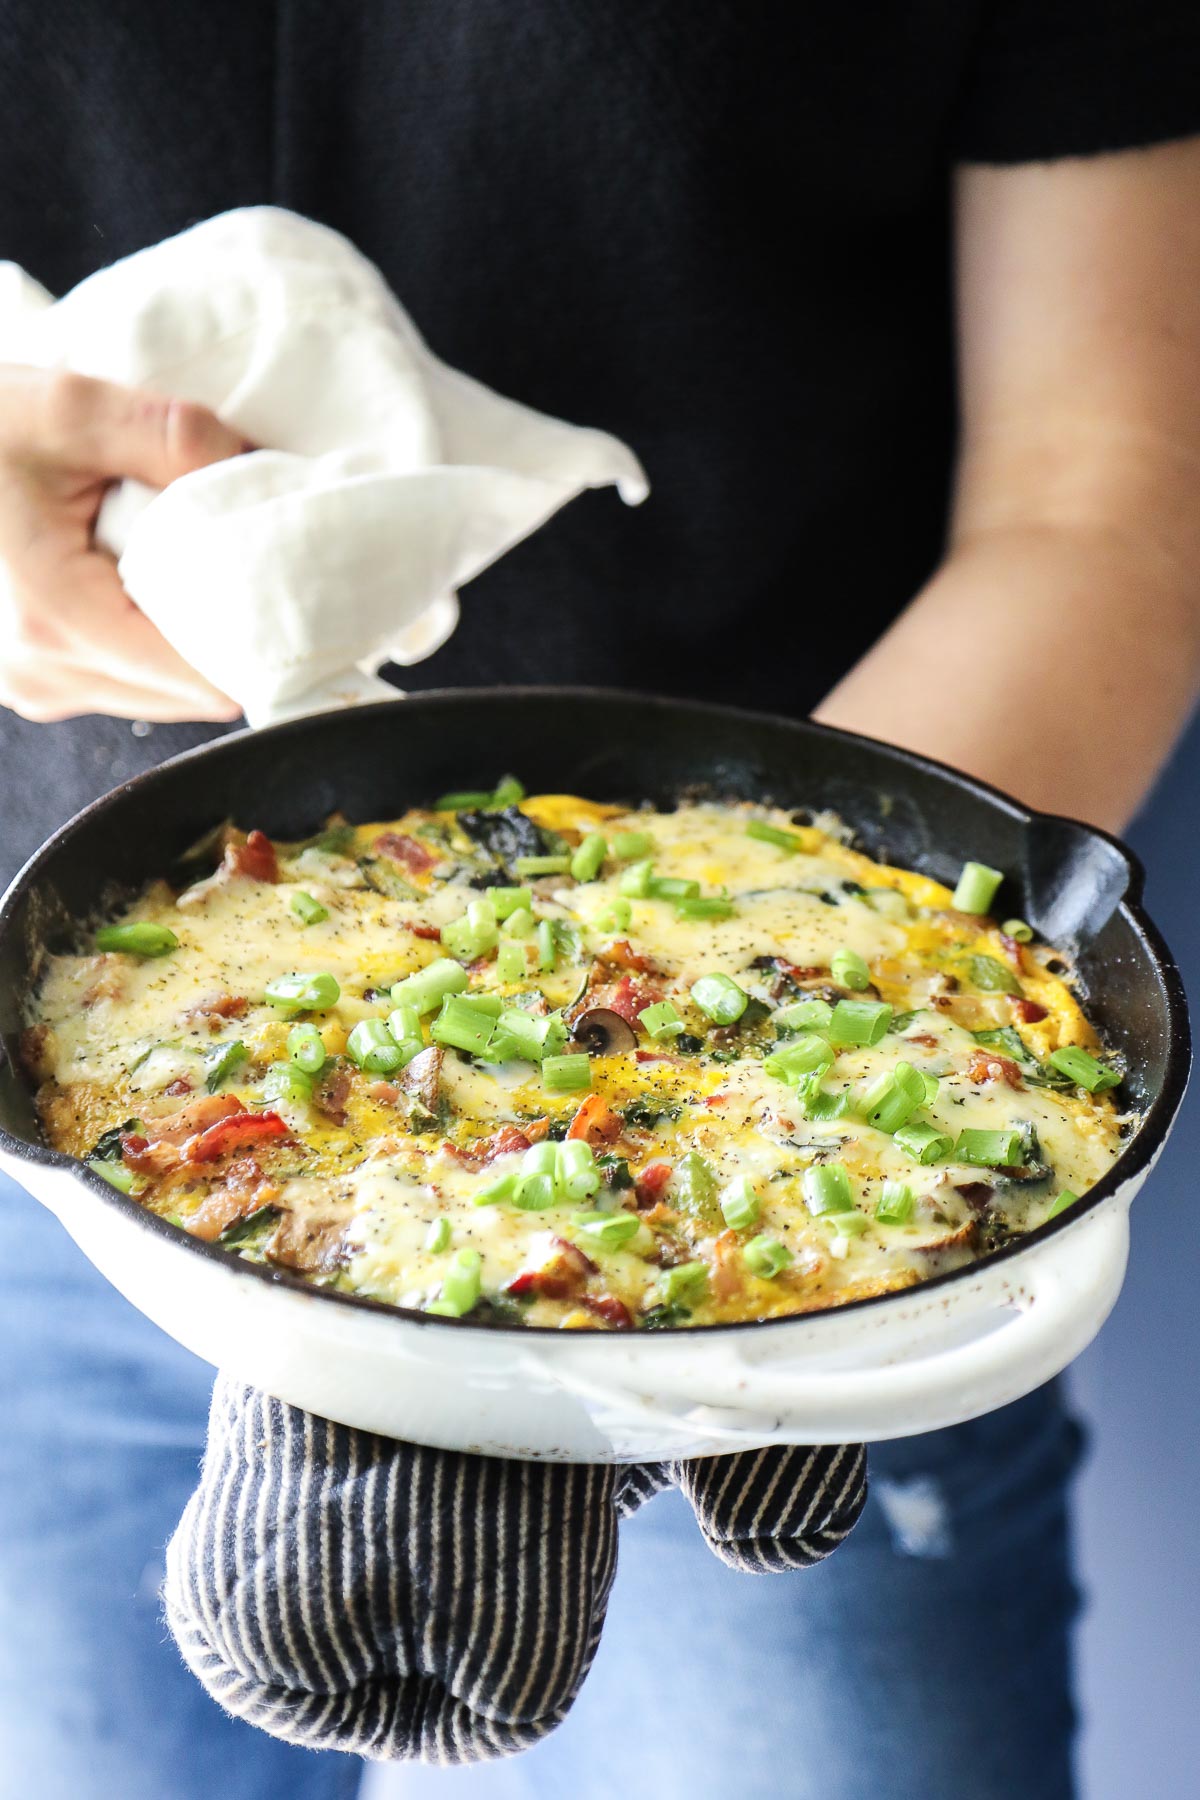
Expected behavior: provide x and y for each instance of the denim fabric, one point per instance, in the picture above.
(930, 1657)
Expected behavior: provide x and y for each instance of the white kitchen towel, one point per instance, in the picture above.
(385, 480)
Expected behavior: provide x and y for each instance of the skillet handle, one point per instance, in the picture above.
(1067, 1295)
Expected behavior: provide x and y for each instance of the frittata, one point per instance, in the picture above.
(539, 1061)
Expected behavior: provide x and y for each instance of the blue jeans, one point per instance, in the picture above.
(930, 1657)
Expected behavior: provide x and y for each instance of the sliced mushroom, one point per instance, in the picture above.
(422, 1078)
(602, 1032)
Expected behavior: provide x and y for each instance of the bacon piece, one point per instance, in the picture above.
(1015, 952)
(1027, 1012)
(622, 955)
(716, 1099)
(651, 1184)
(331, 1093)
(243, 1191)
(233, 1133)
(180, 1085)
(630, 998)
(216, 1007)
(558, 1279)
(649, 1056)
(595, 1122)
(985, 1066)
(197, 1116)
(409, 852)
(921, 1037)
(255, 858)
(614, 1312)
(504, 1142)
(430, 933)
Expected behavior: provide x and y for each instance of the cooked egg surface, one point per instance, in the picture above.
(671, 1068)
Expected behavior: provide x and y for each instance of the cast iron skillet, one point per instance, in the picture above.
(1076, 886)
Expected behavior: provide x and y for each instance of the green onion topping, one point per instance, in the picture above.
(774, 834)
(508, 900)
(1082, 1067)
(1065, 1199)
(429, 986)
(976, 888)
(720, 997)
(221, 1061)
(139, 939)
(859, 1022)
(704, 906)
(990, 1149)
(849, 969)
(585, 864)
(306, 1048)
(306, 909)
(807, 1054)
(895, 1203)
(685, 1283)
(437, 1238)
(766, 1256)
(827, 1188)
(542, 865)
(628, 845)
(661, 1020)
(460, 1286)
(567, 1074)
(1018, 930)
(740, 1204)
(924, 1143)
(303, 993)
(372, 1046)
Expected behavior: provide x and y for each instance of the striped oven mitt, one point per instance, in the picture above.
(349, 1592)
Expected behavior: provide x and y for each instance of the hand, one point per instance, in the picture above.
(71, 640)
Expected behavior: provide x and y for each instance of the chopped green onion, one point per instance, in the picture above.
(1018, 930)
(635, 880)
(429, 986)
(991, 977)
(774, 834)
(303, 993)
(575, 1170)
(511, 964)
(720, 997)
(1082, 1067)
(585, 864)
(542, 865)
(566, 1074)
(496, 1191)
(895, 1203)
(138, 939)
(820, 1105)
(462, 1025)
(766, 1256)
(893, 1097)
(508, 900)
(537, 1185)
(685, 1282)
(849, 969)
(519, 923)
(1065, 1199)
(438, 1236)
(661, 1020)
(847, 1224)
(465, 800)
(460, 1286)
(522, 1035)
(704, 906)
(924, 1143)
(474, 934)
(803, 1015)
(372, 1046)
(547, 949)
(990, 1149)
(976, 888)
(630, 844)
(617, 918)
(306, 909)
(306, 1048)
(807, 1054)
(508, 791)
(672, 887)
(116, 1175)
(220, 1063)
(827, 1188)
(405, 1026)
(609, 1230)
(285, 1081)
(859, 1022)
(740, 1204)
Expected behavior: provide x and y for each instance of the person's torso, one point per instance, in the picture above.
(719, 231)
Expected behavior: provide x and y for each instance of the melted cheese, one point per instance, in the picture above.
(117, 1032)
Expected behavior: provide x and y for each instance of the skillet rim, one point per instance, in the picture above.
(1133, 1162)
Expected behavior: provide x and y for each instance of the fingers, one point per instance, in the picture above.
(72, 693)
(65, 421)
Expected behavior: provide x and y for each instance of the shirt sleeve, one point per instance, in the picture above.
(1055, 78)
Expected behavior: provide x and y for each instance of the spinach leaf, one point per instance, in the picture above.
(1008, 1039)
(507, 835)
(648, 1112)
(107, 1147)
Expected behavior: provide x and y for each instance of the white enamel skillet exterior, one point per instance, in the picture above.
(913, 1361)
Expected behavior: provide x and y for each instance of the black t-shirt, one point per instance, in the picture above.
(717, 228)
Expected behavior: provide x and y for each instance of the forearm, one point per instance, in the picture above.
(1058, 662)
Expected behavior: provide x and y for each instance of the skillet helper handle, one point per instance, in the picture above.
(1058, 1308)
